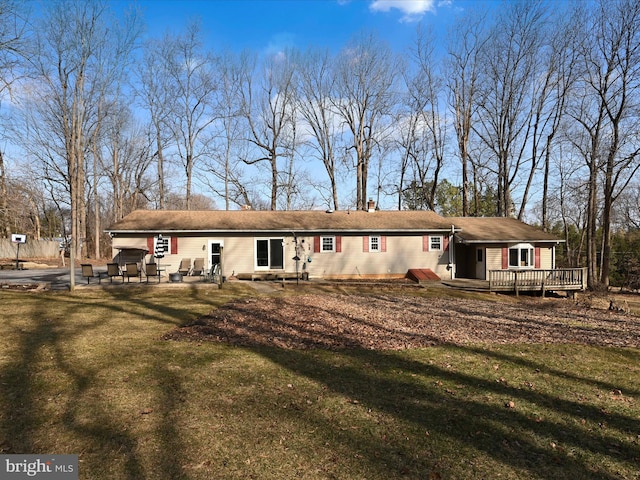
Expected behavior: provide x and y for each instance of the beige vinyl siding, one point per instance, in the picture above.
(238, 253)
(494, 259)
(546, 258)
(188, 247)
(402, 253)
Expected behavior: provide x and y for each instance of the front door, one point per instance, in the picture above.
(215, 253)
(269, 254)
(481, 263)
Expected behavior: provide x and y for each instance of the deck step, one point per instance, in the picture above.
(422, 275)
(268, 276)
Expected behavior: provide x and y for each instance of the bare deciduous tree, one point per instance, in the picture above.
(13, 29)
(464, 47)
(268, 110)
(363, 96)
(606, 108)
(156, 92)
(421, 138)
(192, 71)
(504, 106)
(228, 140)
(315, 83)
(80, 53)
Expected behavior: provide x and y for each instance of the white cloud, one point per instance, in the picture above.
(279, 43)
(413, 9)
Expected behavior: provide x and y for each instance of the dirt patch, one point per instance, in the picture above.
(25, 287)
(396, 321)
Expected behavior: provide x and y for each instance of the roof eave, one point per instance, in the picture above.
(462, 240)
(283, 230)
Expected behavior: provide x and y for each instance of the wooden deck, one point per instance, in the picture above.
(559, 279)
(516, 281)
(269, 276)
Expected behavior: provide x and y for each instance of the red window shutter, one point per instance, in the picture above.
(425, 243)
(445, 243)
(505, 258)
(338, 244)
(365, 243)
(150, 245)
(316, 244)
(174, 245)
(383, 244)
(536, 257)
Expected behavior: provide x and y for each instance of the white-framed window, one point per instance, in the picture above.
(374, 244)
(435, 242)
(327, 244)
(521, 256)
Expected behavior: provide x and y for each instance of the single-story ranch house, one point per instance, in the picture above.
(332, 244)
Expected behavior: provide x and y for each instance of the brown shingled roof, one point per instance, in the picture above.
(278, 221)
(498, 229)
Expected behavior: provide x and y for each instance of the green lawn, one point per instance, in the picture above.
(89, 374)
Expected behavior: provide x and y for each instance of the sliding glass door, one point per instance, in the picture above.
(269, 254)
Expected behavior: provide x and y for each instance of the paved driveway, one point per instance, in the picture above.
(58, 278)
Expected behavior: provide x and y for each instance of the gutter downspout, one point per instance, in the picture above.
(452, 256)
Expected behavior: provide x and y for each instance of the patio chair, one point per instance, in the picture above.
(198, 267)
(185, 266)
(213, 275)
(113, 270)
(87, 271)
(151, 270)
(132, 270)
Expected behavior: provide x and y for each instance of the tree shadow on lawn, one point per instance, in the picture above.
(43, 376)
(416, 392)
(392, 383)
(568, 439)
(26, 423)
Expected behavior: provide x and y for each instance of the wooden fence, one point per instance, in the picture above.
(564, 279)
(31, 249)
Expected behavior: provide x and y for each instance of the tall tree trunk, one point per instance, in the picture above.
(161, 194)
(592, 228)
(188, 171)
(465, 184)
(545, 188)
(4, 203)
(96, 197)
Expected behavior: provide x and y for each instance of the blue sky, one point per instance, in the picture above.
(271, 25)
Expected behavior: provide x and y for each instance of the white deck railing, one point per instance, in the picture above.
(528, 280)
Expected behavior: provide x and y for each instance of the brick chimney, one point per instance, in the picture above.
(371, 205)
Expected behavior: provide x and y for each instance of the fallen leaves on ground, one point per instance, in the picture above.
(397, 321)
